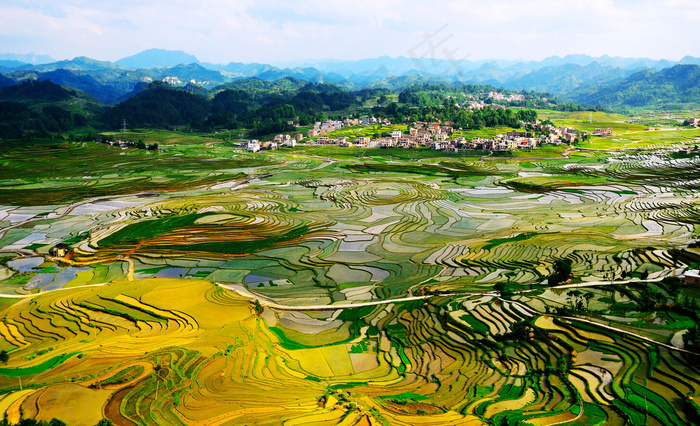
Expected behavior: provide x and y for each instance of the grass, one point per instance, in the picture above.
(520, 237)
(37, 369)
(49, 171)
(451, 169)
(364, 153)
(405, 396)
(122, 376)
(137, 232)
(241, 247)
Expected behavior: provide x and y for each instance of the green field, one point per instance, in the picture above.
(151, 313)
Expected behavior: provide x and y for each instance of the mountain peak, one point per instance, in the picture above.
(28, 58)
(155, 58)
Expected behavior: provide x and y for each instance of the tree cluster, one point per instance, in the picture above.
(18, 120)
(561, 273)
(263, 112)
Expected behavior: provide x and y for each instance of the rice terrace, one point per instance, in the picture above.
(202, 284)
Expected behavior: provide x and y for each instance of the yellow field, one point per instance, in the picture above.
(207, 361)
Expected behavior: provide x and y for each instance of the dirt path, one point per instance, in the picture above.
(596, 284)
(130, 273)
(268, 303)
(629, 333)
(486, 157)
(603, 326)
(328, 162)
(29, 296)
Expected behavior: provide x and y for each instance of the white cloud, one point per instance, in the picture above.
(276, 30)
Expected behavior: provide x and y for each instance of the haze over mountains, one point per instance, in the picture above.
(579, 78)
(154, 58)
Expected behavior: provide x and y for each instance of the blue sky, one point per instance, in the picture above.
(274, 31)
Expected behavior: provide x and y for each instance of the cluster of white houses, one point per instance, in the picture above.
(130, 144)
(322, 128)
(433, 135)
(694, 122)
(510, 98)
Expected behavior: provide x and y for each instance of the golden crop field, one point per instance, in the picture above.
(353, 287)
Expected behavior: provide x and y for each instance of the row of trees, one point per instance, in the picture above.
(460, 117)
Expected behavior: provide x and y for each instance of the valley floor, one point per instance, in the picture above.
(205, 285)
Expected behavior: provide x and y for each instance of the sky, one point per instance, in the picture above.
(279, 31)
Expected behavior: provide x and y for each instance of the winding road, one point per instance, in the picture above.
(268, 303)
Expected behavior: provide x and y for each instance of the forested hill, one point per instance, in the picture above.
(6, 82)
(671, 88)
(159, 106)
(264, 108)
(42, 108)
(32, 91)
(259, 108)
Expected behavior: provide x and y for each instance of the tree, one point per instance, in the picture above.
(4, 356)
(675, 255)
(690, 338)
(573, 298)
(649, 298)
(500, 287)
(34, 422)
(104, 422)
(257, 308)
(673, 286)
(562, 271)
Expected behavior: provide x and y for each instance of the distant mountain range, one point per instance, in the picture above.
(154, 58)
(29, 58)
(580, 78)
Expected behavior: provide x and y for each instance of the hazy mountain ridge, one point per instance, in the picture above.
(28, 58)
(155, 58)
(574, 77)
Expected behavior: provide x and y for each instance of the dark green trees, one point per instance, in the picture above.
(562, 271)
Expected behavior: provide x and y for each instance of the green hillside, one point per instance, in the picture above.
(42, 107)
(671, 88)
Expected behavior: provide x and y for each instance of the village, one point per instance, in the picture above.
(434, 135)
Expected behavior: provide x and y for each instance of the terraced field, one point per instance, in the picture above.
(381, 289)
